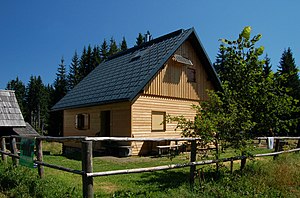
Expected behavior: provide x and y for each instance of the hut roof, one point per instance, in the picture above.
(10, 113)
(26, 131)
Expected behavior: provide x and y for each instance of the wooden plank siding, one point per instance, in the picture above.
(141, 119)
(119, 121)
(172, 80)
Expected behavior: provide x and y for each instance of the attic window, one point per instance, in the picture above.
(82, 121)
(191, 75)
(181, 59)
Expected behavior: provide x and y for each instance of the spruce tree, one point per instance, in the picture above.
(60, 83)
(59, 91)
(104, 50)
(267, 67)
(139, 39)
(220, 60)
(37, 100)
(123, 45)
(288, 78)
(113, 48)
(88, 63)
(96, 58)
(82, 64)
(289, 71)
(74, 76)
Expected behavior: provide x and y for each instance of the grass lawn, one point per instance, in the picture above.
(263, 177)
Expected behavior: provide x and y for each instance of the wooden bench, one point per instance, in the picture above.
(168, 148)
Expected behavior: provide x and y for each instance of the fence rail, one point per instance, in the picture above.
(87, 155)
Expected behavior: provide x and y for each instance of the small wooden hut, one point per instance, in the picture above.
(11, 118)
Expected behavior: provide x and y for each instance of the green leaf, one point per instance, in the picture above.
(246, 32)
(260, 50)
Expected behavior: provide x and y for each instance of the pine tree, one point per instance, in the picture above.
(139, 39)
(113, 48)
(88, 63)
(104, 50)
(96, 58)
(289, 71)
(267, 66)
(123, 45)
(73, 76)
(59, 91)
(219, 64)
(82, 64)
(37, 103)
(60, 83)
(288, 78)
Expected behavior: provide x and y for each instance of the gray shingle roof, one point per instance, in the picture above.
(26, 131)
(124, 75)
(10, 113)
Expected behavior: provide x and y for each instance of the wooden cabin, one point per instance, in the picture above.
(130, 94)
(11, 118)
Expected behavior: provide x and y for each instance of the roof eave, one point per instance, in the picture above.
(90, 104)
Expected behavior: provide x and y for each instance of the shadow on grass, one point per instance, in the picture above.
(165, 179)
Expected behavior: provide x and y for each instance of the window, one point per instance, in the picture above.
(158, 121)
(191, 75)
(82, 121)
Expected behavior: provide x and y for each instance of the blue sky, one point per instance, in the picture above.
(35, 35)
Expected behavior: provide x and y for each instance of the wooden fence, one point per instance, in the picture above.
(87, 157)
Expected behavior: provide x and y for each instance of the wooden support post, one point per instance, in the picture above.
(276, 148)
(243, 162)
(14, 150)
(193, 159)
(3, 148)
(298, 145)
(231, 166)
(217, 156)
(87, 167)
(39, 156)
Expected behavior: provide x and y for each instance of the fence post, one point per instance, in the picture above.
(231, 165)
(14, 150)
(39, 156)
(87, 167)
(3, 148)
(243, 161)
(276, 148)
(193, 159)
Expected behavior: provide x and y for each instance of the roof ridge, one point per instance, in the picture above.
(146, 44)
(7, 90)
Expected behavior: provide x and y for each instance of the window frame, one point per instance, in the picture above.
(191, 75)
(82, 121)
(163, 113)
